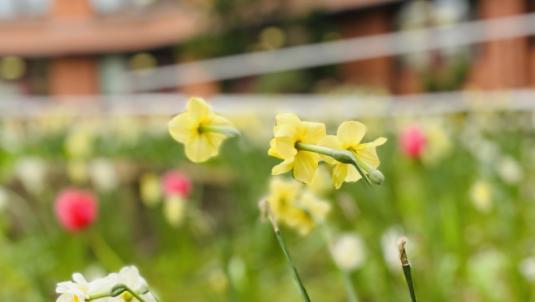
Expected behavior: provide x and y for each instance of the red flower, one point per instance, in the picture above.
(176, 183)
(76, 209)
(413, 142)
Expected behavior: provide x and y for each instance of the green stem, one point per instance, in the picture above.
(104, 252)
(348, 284)
(369, 174)
(410, 283)
(351, 294)
(284, 249)
(98, 296)
(225, 130)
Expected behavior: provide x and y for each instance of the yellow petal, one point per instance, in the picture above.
(351, 133)
(182, 128)
(287, 124)
(204, 146)
(283, 167)
(305, 165)
(368, 154)
(339, 175)
(282, 147)
(198, 109)
(220, 121)
(312, 132)
(352, 174)
(330, 141)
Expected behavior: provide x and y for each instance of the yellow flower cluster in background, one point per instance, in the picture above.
(200, 130)
(295, 206)
(290, 133)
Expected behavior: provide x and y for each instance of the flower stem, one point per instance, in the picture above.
(225, 130)
(284, 248)
(121, 288)
(405, 264)
(369, 174)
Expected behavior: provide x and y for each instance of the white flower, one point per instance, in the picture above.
(130, 277)
(389, 242)
(348, 252)
(80, 289)
(527, 268)
(509, 170)
(32, 173)
(103, 174)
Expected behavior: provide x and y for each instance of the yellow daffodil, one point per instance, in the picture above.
(309, 211)
(349, 137)
(288, 132)
(283, 194)
(200, 130)
(294, 206)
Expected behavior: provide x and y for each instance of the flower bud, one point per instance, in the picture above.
(376, 176)
(76, 209)
(176, 184)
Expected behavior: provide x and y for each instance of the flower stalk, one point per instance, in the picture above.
(369, 174)
(265, 209)
(225, 130)
(405, 264)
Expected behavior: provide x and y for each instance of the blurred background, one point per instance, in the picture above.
(87, 88)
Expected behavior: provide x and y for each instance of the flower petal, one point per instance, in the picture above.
(368, 154)
(181, 128)
(305, 165)
(198, 109)
(351, 133)
(287, 124)
(282, 147)
(312, 132)
(352, 174)
(220, 121)
(283, 167)
(339, 175)
(204, 146)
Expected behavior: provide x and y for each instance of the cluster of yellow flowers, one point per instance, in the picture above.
(302, 145)
(294, 205)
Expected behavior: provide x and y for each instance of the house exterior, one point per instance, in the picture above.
(80, 47)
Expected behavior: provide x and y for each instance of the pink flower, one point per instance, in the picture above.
(176, 184)
(413, 142)
(76, 209)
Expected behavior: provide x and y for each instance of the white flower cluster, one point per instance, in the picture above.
(111, 288)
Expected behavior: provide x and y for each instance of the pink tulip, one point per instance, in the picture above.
(413, 142)
(76, 209)
(176, 184)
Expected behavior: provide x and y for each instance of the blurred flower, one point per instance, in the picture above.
(527, 268)
(413, 142)
(76, 209)
(103, 174)
(288, 131)
(32, 173)
(237, 271)
(389, 242)
(438, 143)
(176, 183)
(297, 208)
(509, 170)
(150, 188)
(480, 193)
(484, 271)
(79, 142)
(200, 130)
(349, 137)
(218, 280)
(77, 170)
(347, 251)
(174, 210)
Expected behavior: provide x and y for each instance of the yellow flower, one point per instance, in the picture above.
(349, 137)
(283, 194)
(309, 211)
(200, 130)
(288, 131)
(150, 189)
(297, 208)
